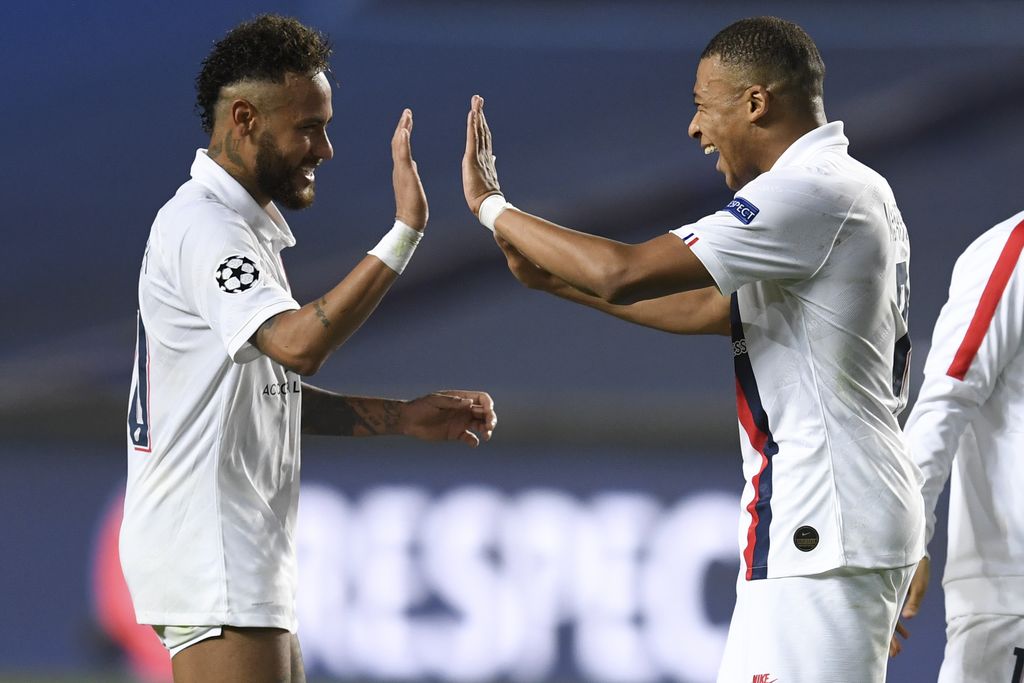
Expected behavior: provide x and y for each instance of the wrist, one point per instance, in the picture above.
(490, 208)
(397, 246)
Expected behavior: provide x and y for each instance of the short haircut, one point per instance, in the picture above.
(773, 52)
(264, 49)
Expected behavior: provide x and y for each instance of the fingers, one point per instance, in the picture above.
(895, 646)
(481, 131)
(470, 134)
(469, 438)
(485, 419)
(918, 587)
(401, 146)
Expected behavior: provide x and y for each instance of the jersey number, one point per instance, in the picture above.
(138, 411)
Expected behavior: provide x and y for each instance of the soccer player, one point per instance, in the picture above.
(217, 399)
(806, 270)
(967, 419)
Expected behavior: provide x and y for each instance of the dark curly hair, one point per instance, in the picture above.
(264, 49)
(772, 51)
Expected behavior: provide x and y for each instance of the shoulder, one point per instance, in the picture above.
(197, 215)
(802, 191)
(998, 247)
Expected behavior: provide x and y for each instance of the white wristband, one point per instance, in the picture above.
(490, 209)
(396, 247)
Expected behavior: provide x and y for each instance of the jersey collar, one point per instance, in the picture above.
(269, 224)
(811, 142)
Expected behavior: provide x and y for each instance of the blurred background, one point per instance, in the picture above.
(594, 538)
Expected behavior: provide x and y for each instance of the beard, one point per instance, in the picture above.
(278, 180)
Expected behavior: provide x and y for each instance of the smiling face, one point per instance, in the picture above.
(294, 141)
(724, 122)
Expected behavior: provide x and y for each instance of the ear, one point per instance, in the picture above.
(243, 116)
(758, 99)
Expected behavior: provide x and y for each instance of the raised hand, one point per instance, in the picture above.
(410, 199)
(479, 176)
(456, 415)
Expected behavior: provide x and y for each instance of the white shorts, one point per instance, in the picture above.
(827, 628)
(177, 638)
(984, 647)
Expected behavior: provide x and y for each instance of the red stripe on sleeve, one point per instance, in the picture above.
(987, 305)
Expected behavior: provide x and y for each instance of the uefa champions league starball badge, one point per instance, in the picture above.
(237, 274)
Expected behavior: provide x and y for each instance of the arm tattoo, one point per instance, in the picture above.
(320, 313)
(262, 331)
(331, 414)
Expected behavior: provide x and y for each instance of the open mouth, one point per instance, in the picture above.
(710, 149)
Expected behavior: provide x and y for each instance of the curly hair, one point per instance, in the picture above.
(773, 51)
(264, 49)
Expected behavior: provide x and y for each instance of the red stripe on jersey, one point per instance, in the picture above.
(987, 305)
(757, 440)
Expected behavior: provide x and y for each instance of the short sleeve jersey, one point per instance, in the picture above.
(815, 256)
(968, 421)
(213, 424)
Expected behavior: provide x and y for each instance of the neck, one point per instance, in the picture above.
(225, 151)
(788, 131)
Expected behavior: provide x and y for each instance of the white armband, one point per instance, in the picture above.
(490, 209)
(396, 247)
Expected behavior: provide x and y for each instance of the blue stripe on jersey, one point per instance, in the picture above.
(760, 435)
(138, 411)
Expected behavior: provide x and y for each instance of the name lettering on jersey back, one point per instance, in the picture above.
(897, 228)
(283, 389)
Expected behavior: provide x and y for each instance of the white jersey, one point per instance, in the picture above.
(815, 255)
(213, 424)
(970, 413)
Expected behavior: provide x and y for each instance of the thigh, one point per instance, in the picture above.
(829, 628)
(241, 655)
(984, 647)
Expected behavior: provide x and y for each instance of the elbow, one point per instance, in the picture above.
(306, 368)
(615, 277)
(305, 362)
(616, 288)
(620, 297)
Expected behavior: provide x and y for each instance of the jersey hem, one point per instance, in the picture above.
(245, 620)
(984, 595)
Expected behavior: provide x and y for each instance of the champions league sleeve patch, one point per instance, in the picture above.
(237, 274)
(742, 209)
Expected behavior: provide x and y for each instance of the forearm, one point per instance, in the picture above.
(303, 339)
(700, 311)
(588, 263)
(933, 432)
(327, 413)
(611, 271)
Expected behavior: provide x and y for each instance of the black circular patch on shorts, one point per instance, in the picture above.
(806, 539)
(237, 274)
